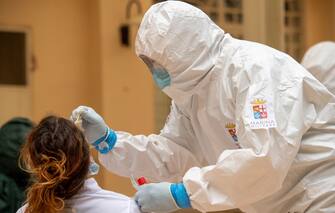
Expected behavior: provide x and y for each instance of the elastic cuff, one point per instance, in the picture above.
(109, 139)
(179, 194)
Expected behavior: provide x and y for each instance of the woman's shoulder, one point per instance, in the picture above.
(92, 188)
(93, 197)
(22, 209)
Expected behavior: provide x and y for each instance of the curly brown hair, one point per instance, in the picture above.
(57, 156)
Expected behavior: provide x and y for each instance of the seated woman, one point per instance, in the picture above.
(57, 155)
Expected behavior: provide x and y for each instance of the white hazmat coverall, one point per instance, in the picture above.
(249, 127)
(320, 61)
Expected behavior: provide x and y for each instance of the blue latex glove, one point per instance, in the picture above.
(95, 129)
(162, 197)
(93, 124)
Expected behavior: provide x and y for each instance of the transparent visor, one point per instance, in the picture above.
(160, 75)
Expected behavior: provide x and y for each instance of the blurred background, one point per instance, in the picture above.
(56, 55)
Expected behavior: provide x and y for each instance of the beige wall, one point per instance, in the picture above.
(94, 76)
(319, 21)
(127, 88)
(60, 45)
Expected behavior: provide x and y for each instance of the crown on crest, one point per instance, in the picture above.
(258, 101)
(230, 125)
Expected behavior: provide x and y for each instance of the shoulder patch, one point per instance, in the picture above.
(261, 113)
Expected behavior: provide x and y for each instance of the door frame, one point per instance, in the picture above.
(29, 65)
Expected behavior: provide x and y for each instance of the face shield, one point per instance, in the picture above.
(159, 73)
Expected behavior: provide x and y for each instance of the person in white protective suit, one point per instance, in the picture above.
(320, 61)
(249, 127)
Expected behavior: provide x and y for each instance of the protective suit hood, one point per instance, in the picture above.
(319, 60)
(183, 40)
